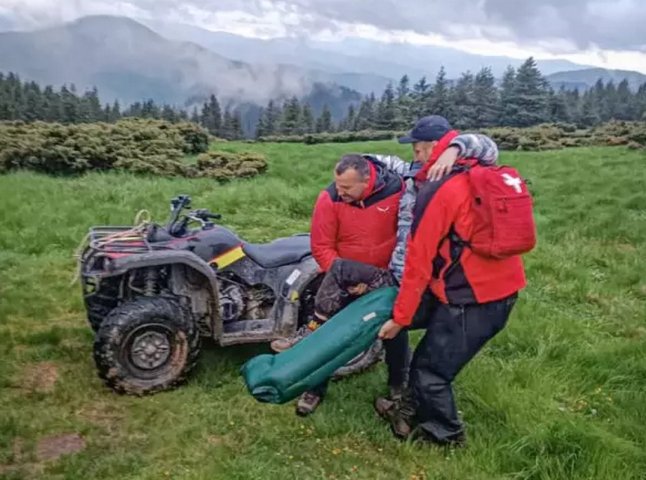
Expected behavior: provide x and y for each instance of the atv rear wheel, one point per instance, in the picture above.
(145, 346)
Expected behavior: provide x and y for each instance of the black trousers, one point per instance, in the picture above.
(454, 335)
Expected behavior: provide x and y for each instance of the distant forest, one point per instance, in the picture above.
(521, 99)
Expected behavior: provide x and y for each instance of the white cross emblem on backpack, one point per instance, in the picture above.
(514, 182)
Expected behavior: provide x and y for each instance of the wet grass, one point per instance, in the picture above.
(560, 394)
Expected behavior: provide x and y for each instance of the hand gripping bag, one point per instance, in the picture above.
(284, 376)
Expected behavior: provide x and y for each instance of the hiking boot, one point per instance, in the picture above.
(399, 411)
(383, 404)
(458, 440)
(307, 404)
(401, 423)
(282, 344)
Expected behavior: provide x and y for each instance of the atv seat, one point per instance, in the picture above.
(283, 251)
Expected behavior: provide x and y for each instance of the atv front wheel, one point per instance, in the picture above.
(145, 346)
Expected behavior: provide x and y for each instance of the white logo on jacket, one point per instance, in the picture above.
(514, 182)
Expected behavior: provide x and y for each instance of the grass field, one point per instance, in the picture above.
(560, 394)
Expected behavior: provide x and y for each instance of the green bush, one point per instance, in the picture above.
(339, 137)
(540, 137)
(616, 141)
(560, 135)
(225, 166)
(566, 127)
(151, 147)
(638, 136)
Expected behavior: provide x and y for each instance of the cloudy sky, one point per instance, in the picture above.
(608, 33)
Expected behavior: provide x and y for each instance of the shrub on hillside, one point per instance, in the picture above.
(160, 165)
(506, 138)
(70, 149)
(196, 139)
(619, 133)
(226, 166)
(539, 137)
(566, 127)
(550, 136)
(616, 141)
(151, 147)
(638, 136)
(339, 137)
(282, 139)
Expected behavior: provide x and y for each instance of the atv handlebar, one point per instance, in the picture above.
(204, 214)
(201, 216)
(180, 202)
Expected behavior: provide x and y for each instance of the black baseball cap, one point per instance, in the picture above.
(427, 129)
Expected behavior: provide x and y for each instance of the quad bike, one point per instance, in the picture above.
(151, 292)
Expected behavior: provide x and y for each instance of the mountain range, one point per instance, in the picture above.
(172, 63)
(391, 60)
(587, 77)
(128, 61)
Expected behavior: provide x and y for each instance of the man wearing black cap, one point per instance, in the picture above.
(462, 298)
(433, 135)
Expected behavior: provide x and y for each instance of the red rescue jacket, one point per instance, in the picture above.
(436, 259)
(364, 231)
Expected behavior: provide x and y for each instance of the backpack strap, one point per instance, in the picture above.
(456, 247)
(426, 193)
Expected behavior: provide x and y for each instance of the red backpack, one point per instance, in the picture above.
(504, 221)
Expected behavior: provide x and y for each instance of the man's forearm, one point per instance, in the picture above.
(478, 146)
(392, 163)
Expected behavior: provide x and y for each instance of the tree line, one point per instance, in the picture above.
(522, 98)
(28, 101)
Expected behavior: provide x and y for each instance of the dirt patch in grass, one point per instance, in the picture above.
(104, 415)
(39, 377)
(216, 440)
(48, 449)
(55, 446)
(26, 471)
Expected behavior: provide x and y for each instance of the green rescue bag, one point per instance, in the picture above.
(282, 377)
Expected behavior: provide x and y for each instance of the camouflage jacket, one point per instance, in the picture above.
(471, 145)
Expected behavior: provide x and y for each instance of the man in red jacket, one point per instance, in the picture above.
(471, 297)
(355, 218)
(354, 226)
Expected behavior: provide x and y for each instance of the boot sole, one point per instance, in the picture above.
(382, 414)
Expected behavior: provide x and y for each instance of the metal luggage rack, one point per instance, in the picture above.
(119, 239)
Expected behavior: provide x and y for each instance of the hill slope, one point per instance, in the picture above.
(586, 78)
(129, 61)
